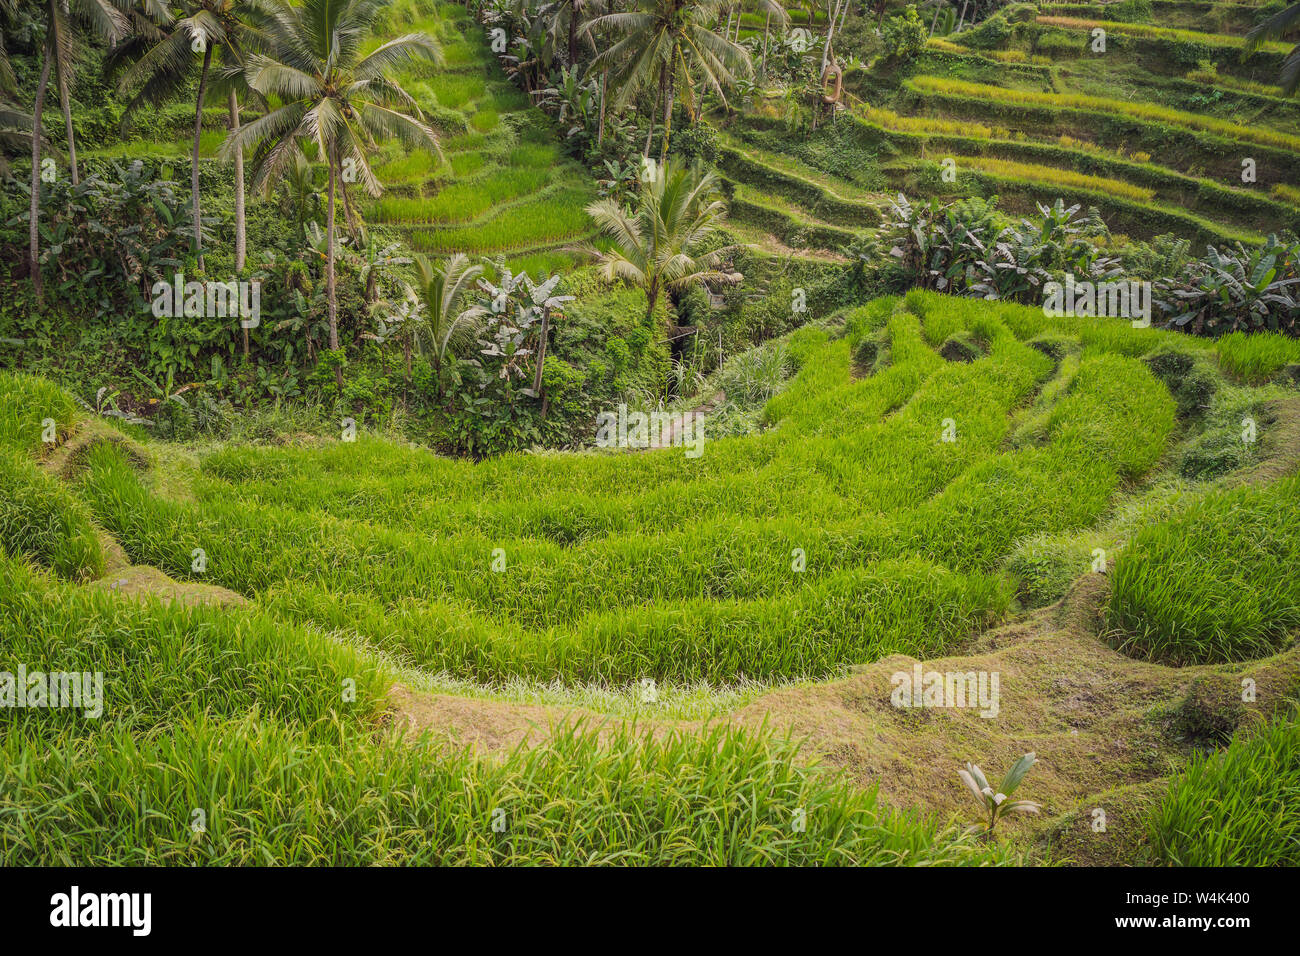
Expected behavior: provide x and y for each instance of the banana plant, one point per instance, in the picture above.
(998, 802)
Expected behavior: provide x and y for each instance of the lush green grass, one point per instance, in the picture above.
(1256, 357)
(846, 531)
(26, 402)
(1161, 33)
(505, 187)
(625, 566)
(1147, 112)
(461, 201)
(269, 796)
(1214, 583)
(245, 719)
(1236, 807)
(41, 519)
(553, 219)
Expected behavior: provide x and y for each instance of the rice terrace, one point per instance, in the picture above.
(649, 432)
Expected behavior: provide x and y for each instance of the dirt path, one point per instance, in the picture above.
(672, 434)
(1107, 729)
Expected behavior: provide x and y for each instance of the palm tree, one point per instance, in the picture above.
(1274, 28)
(669, 40)
(445, 325)
(769, 9)
(15, 125)
(301, 179)
(567, 15)
(654, 247)
(163, 67)
(334, 95)
(8, 84)
(62, 20)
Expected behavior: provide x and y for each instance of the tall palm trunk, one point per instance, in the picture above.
(767, 20)
(241, 227)
(645, 153)
(329, 268)
(541, 351)
(66, 102)
(34, 261)
(604, 89)
(830, 36)
(668, 79)
(194, 166)
(573, 35)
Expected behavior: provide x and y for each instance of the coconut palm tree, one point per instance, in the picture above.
(333, 94)
(566, 16)
(1274, 28)
(445, 325)
(8, 84)
(162, 67)
(15, 125)
(62, 20)
(669, 41)
(770, 9)
(655, 246)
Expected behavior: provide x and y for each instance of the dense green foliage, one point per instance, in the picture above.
(1236, 807)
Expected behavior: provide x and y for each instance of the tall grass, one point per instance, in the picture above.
(1212, 584)
(26, 402)
(1160, 33)
(41, 519)
(1065, 178)
(549, 220)
(1236, 807)
(1256, 357)
(270, 795)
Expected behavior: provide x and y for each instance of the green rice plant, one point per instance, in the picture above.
(26, 403)
(1235, 807)
(414, 166)
(1147, 112)
(721, 797)
(1210, 585)
(461, 201)
(554, 219)
(1256, 357)
(163, 663)
(849, 617)
(485, 120)
(1161, 33)
(1068, 179)
(41, 520)
(455, 90)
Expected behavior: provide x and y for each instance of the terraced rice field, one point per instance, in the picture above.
(503, 187)
(898, 503)
(1154, 132)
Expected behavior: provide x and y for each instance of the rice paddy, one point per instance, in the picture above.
(875, 515)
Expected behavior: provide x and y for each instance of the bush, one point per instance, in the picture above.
(904, 36)
(696, 143)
